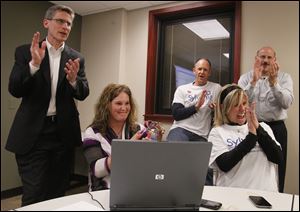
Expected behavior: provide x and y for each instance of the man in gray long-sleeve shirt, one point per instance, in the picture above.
(272, 90)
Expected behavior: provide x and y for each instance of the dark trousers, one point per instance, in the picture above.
(45, 170)
(180, 134)
(280, 133)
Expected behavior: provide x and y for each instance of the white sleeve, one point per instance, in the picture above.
(100, 168)
(33, 69)
(284, 91)
(218, 146)
(244, 82)
(178, 96)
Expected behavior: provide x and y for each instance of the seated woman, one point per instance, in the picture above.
(115, 118)
(244, 153)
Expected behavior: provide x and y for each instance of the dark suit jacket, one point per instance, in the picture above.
(35, 92)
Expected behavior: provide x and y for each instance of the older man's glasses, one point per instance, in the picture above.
(61, 21)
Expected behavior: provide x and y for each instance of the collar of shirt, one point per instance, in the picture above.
(200, 85)
(52, 50)
(264, 77)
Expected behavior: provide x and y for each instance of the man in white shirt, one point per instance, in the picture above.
(192, 107)
(272, 90)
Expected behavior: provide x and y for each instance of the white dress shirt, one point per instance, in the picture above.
(54, 61)
(271, 102)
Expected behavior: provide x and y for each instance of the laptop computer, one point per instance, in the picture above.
(147, 175)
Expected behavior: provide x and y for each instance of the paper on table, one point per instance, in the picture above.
(80, 206)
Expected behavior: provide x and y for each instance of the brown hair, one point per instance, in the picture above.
(110, 92)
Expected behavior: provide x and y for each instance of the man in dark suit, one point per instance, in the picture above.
(48, 76)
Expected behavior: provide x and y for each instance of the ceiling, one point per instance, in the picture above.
(89, 7)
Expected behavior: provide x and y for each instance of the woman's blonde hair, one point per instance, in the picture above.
(102, 112)
(230, 96)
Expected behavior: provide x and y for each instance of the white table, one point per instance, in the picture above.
(231, 198)
(296, 203)
(236, 199)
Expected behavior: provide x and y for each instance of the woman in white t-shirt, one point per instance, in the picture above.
(245, 153)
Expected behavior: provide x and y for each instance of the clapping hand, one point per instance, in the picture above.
(201, 100)
(257, 71)
(71, 69)
(251, 118)
(274, 67)
(37, 53)
(212, 105)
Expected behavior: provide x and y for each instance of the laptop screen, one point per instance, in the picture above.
(158, 175)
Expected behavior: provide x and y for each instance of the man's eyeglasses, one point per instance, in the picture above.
(61, 21)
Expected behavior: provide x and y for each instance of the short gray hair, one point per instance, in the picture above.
(266, 47)
(52, 10)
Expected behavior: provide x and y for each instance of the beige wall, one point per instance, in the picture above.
(111, 60)
(17, 27)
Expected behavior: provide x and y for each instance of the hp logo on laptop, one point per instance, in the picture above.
(159, 177)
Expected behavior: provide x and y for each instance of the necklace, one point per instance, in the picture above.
(118, 133)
